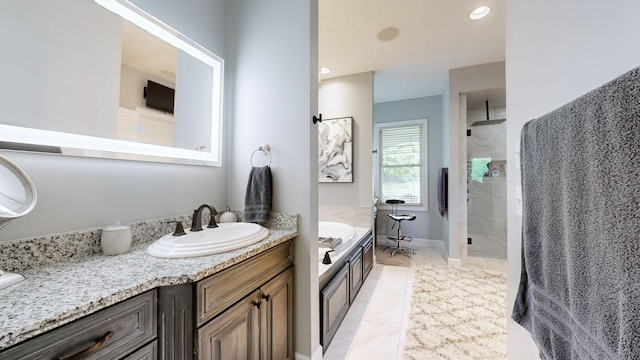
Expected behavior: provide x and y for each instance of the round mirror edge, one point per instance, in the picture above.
(31, 195)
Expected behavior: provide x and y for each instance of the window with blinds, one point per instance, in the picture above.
(401, 163)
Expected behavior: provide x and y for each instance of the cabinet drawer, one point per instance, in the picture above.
(219, 291)
(122, 328)
(149, 352)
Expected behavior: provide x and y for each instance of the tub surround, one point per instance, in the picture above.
(360, 217)
(77, 279)
(356, 216)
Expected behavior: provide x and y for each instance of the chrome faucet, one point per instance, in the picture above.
(196, 223)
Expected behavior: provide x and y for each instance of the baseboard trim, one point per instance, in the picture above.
(439, 244)
(455, 262)
(317, 355)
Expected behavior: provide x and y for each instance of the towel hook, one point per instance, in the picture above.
(265, 150)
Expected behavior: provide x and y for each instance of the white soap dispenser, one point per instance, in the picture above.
(228, 216)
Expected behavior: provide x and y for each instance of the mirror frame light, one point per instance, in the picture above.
(112, 147)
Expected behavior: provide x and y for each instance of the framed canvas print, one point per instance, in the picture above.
(335, 150)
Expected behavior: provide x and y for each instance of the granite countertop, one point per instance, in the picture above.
(57, 294)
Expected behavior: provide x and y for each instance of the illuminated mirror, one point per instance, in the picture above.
(106, 79)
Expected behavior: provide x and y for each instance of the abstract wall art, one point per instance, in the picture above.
(335, 150)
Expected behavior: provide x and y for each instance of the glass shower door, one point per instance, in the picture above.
(486, 190)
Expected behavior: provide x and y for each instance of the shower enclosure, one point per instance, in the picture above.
(486, 183)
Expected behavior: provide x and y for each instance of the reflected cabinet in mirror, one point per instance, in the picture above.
(106, 79)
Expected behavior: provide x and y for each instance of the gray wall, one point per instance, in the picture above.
(351, 96)
(273, 69)
(548, 66)
(429, 224)
(46, 79)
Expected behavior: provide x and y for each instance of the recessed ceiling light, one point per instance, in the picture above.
(389, 33)
(479, 13)
(324, 70)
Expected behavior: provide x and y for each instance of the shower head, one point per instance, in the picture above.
(488, 122)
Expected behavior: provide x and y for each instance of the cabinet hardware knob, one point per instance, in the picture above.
(257, 304)
(266, 297)
(90, 350)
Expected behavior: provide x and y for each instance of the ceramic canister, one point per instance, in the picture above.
(115, 239)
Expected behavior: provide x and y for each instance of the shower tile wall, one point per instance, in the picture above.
(487, 201)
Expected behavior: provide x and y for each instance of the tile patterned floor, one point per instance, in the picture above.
(375, 326)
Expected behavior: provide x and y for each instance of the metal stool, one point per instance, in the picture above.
(398, 219)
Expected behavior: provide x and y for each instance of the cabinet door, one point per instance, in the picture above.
(277, 317)
(234, 334)
(334, 302)
(355, 275)
(367, 258)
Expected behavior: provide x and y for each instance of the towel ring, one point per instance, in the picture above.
(265, 150)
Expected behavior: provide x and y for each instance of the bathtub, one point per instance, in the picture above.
(350, 237)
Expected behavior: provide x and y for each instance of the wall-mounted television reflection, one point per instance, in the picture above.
(159, 97)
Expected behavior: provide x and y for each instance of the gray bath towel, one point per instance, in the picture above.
(257, 201)
(579, 293)
(442, 190)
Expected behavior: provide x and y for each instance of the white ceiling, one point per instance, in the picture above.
(435, 36)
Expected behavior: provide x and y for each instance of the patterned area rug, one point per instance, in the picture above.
(385, 258)
(457, 314)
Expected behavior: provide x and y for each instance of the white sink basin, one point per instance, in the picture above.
(226, 237)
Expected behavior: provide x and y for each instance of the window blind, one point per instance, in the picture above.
(401, 163)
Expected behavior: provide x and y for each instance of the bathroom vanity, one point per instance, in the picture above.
(134, 306)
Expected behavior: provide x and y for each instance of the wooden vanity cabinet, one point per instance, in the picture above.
(242, 312)
(260, 326)
(126, 330)
(248, 308)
